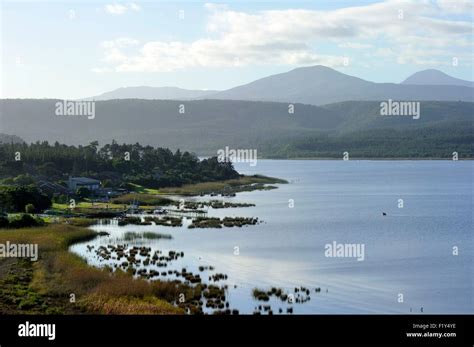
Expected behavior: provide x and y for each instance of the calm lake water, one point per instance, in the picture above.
(409, 251)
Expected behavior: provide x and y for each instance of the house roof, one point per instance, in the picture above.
(84, 180)
(51, 185)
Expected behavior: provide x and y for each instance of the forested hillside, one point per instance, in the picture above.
(274, 129)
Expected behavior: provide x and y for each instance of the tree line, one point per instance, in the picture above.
(114, 164)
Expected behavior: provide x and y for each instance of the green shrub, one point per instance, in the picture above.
(14, 199)
(60, 199)
(25, 221)
(29, 208)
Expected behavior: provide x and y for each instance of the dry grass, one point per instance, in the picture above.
(58, 273)
(104, 304)
(51, 237)
(87, 205)
(142, 199)
(82, 222)
(208, 187)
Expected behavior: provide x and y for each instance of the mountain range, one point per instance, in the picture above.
(316, 85)
(331, 113)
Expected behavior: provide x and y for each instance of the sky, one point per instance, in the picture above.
(76, 49)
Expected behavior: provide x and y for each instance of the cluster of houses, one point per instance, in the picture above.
(74, 183)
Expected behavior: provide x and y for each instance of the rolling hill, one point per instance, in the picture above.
(209, 125)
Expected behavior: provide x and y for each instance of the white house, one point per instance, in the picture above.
(75, 183)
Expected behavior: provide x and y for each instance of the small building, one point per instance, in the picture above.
(51, 188)
(75, 183)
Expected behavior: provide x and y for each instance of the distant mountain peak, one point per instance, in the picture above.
(153, 93)
(436, 77)
(315, 67)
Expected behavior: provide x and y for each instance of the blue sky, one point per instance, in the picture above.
(74, 49)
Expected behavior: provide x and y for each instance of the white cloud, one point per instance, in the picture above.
(116, 9)
(119, 9)
(134, 7)
(116, 51)
(456, 6)
(355, 45)
(292, 37)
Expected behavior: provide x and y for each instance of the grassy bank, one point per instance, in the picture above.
(143, 199)
(241, 184)
(88, 205)
(45, 286)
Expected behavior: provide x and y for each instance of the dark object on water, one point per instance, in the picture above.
(384, 214)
